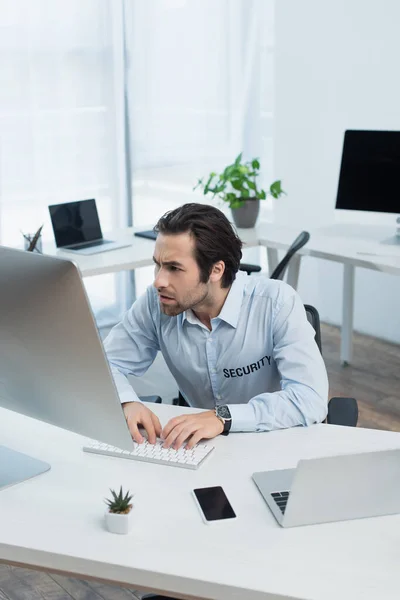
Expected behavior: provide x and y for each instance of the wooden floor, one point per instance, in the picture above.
(373, 379)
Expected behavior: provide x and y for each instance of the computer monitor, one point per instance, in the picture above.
(369, 177)
(52, 363)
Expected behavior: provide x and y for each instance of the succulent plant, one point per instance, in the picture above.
(120, 503)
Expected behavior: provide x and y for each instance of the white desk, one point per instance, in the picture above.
(338, 244)
(324, 243)
(54, 521)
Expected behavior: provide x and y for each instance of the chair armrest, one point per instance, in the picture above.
(155, 399)
(343, 411)
(249, 268)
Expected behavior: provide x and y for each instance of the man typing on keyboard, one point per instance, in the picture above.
(239, 347)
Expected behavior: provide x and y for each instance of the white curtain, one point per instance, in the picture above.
(60, 140)
(200, 83)
(128, 102)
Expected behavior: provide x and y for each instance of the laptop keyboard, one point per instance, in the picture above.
(281, 499)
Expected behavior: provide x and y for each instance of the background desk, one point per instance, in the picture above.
(54, 521)
(324, 243)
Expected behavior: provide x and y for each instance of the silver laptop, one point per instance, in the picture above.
(76, 227)
(336, 488)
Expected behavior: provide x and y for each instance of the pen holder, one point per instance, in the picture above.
(28, 239)
(33, 241)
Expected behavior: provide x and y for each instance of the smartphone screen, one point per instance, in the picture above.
(214, 503)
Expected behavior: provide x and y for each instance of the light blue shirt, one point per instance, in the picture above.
(260, 357)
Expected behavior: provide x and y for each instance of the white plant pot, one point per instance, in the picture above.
(119, 523)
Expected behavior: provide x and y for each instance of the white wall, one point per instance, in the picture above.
(337, 68)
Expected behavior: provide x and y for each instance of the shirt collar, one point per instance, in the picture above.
(231, 308)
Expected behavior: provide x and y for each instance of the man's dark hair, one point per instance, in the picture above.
(214, 237)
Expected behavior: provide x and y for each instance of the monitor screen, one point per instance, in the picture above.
(370, 172)
(75, 222)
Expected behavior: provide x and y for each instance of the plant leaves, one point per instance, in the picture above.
(255, 163)
(276, 189)
(238, 159)
(237, 184)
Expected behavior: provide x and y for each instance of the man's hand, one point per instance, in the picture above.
(136, 414)
(205, 425)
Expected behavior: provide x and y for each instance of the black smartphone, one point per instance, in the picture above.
(149, 234)
(213, 504)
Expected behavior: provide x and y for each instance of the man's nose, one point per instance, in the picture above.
(161, 279)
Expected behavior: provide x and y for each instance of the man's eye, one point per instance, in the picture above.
(171, 268)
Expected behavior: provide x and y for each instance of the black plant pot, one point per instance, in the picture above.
(246, 216)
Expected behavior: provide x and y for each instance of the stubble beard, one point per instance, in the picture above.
(190, 303)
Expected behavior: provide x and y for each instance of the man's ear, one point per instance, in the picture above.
(217, 271)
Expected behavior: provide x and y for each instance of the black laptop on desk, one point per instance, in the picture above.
(77, 228)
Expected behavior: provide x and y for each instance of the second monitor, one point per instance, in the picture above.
(369, 177)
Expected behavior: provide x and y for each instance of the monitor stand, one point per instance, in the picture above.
(16, 467)
(395, 240)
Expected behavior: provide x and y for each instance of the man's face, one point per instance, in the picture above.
(176, 274)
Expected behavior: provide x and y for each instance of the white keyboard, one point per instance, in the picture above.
(155, 453)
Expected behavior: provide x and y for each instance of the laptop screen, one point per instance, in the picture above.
(75, 222)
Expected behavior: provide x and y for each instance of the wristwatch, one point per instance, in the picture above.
(224, 415)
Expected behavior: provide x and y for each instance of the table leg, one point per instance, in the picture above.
(346, 345)
(293, 271)
(272, 255)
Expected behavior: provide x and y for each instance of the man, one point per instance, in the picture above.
(238, 346)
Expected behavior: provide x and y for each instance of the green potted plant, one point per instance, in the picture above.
(237, 185)
(118, 515)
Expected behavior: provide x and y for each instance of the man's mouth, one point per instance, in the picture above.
(166, 299)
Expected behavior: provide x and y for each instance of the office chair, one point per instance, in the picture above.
(279, 271)
(341, 411)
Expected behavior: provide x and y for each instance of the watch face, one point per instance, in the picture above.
(224, 412)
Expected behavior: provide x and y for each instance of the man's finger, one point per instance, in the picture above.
(195, 439)
(147, 423)
(170, 439)
(135, 433)
(172, 423)
(184, 435)
(157, 424)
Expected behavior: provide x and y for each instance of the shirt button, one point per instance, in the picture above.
(213, 370)
(218, 397)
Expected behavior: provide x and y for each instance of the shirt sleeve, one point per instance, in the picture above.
(303, 398)
(132, 345)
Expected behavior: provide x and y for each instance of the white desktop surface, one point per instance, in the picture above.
(55, 521)
(352, 245)
(138, 253)
(344, 244)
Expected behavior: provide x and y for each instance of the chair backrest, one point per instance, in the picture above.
(313, 318)
(298, 243)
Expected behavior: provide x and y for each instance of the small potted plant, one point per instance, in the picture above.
(237, 185)
(118, 515)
